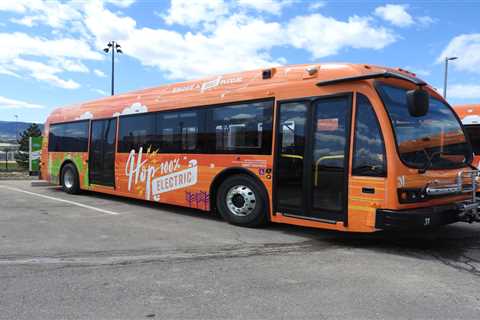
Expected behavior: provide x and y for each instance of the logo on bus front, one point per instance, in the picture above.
(171, 175)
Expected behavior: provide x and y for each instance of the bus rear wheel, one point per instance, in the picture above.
(70, 181)
(242, 201)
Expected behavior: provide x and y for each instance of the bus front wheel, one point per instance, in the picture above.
(242, 201)
(70, 181)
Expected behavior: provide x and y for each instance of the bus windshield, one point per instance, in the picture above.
(433, 141)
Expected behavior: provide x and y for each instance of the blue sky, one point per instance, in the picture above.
(51, 52)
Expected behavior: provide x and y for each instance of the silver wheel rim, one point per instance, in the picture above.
(241, 200)
(68, 179)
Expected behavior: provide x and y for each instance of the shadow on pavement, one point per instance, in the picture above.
(456, 245)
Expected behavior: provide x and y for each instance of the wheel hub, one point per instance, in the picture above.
(241, 200)
(68, 179)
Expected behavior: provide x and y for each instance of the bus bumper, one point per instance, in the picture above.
(417, 218)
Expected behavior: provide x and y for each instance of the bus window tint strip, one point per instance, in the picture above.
(240, 128)
(68, 137)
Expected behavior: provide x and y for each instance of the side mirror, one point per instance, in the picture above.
(418, 102)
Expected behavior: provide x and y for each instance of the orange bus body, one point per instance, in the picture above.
(286, 83)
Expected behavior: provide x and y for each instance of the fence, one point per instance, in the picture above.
(7, 160)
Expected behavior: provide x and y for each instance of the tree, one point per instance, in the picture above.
(22, 156)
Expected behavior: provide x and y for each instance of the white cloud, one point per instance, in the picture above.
(52, 13)
(220, 42)
(396, 14)
(8, 72)
(58, 55)
(17, 43)
(238, 43)
(121, 3)
(316, 5)
(235, 42)
(100, 91)
(12, 6)
(70, 65)
(6, 103)
(193, 12)
(44, 72)
(464, 91)
(105, 25)
(324, 36)
(467, 48)
(99, 73)
(270, 6)
(425, 21)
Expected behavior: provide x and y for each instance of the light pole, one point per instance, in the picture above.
(113, 47)
(446, 75)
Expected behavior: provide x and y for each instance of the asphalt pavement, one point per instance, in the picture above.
(95, 256)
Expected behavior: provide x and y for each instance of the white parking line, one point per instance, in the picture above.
(59, 200)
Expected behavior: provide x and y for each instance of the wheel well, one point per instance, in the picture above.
(61, 168)
(223, 175)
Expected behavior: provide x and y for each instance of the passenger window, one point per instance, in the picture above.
(243, 128)
(68, 137)
(178, 131)
(137, 131)
(369, 149)
(239, 128)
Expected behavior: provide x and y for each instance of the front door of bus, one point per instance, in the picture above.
(101, 162)
(312, 158)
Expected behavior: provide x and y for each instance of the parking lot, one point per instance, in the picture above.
(98, 256)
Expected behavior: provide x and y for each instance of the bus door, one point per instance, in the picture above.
(312, 158)
(101, 162)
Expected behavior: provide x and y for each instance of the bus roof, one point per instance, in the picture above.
(468, 113)
(247, 85)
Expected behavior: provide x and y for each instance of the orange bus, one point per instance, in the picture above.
(336, 146)
(469, 114)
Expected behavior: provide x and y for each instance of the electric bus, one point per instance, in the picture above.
(347, 147)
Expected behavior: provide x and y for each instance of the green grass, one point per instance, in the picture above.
(11, 166)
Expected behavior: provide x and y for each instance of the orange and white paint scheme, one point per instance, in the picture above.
(333, 147)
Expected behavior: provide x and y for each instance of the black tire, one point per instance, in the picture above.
(256, 215)
(70, 184)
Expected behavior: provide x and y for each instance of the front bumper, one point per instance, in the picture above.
(418, 218)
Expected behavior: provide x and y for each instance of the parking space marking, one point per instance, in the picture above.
(60, 200)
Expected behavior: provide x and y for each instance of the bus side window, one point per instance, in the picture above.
(177, 131)
(369, 148)
(137, 131)
(242, 128)
(68, 137)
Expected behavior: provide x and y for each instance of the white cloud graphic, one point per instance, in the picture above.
(85, 115)
(136, 107)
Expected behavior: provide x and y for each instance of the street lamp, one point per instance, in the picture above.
(446, 75)
(113, 47)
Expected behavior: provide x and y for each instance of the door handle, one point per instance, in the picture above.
(368, 190)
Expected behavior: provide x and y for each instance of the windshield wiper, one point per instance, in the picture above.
(428, 164)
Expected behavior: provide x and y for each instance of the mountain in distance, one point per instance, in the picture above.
(9, 130)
